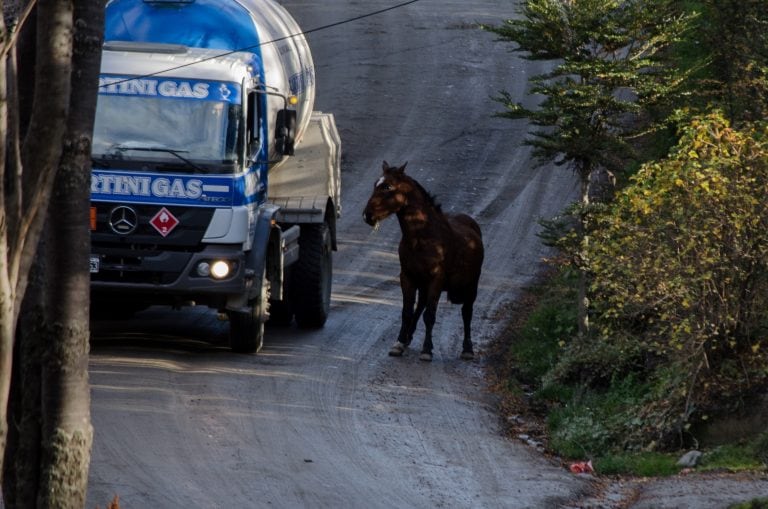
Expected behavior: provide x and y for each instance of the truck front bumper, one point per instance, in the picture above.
(170, 277)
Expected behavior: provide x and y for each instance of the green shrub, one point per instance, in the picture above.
(644, 464)
(737, 457)
(761, 449)
(593, 422)
(758, 503)
(541, 338)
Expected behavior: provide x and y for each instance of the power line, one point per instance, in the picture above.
(290, 36)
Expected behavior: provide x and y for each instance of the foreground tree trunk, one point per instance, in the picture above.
(65, 400)
(24, 195)
(23, 402)
(52, 450)
(65, 403)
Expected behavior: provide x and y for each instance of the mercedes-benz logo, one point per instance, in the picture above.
(123, 220)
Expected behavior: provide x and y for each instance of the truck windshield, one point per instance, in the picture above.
(156, 133)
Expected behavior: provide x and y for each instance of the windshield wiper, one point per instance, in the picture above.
(176, 153)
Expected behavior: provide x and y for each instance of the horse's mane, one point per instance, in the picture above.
(431, 199)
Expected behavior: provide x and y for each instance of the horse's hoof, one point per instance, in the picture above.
(426, 357)
(397, 349)
(467, 356)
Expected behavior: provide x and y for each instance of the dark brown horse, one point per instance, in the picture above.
(438, 252)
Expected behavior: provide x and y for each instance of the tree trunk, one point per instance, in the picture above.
(6, 296)
(23, 206)
(585, 173)
(39, 155)
(67, 431)
(20, 478)
(51, 455)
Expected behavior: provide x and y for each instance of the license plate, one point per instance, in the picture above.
(94, 264)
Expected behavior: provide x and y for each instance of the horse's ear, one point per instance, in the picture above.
(385, 166)
(402, 168)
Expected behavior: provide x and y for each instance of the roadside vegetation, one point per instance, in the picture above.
(758, 503)
(653, 322)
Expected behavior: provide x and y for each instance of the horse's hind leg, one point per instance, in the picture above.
(430, 313)
(467, 352)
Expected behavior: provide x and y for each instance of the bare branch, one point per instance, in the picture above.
(14, 34)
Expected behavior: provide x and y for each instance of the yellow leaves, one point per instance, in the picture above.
(640, 205)
(674, 249)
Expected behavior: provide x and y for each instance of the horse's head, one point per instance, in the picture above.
(389, 194)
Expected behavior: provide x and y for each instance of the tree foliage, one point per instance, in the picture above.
(732, 40)
(606, 67)
(677, 264)
(680, 269)
(605, 73)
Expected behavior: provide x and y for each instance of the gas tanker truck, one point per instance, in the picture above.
(214, 182)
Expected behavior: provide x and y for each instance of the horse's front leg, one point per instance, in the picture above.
(420, 305)
(430, 313)
(407, 325)
(467, 352)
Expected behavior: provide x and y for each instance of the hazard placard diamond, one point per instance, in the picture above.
(164, 222)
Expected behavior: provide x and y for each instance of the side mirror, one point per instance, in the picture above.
(285, 132)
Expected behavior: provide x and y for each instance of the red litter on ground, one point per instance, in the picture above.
(582, 467)
(164, 222)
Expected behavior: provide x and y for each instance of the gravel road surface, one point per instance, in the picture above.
(325, 418)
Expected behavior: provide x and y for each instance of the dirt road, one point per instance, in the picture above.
(325, 418)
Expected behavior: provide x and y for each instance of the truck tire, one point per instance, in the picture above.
(246, 329)
(311, 276)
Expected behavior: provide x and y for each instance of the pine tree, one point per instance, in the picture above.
(606, 72)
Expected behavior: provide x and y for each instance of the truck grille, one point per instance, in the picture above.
(186, 236)
(145, 256)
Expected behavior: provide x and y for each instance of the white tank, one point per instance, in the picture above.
(288, 64)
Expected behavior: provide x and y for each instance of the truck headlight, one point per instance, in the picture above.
(220, 269)
(216, 269)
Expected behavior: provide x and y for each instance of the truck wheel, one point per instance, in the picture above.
(246, 329)
(311, 276)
